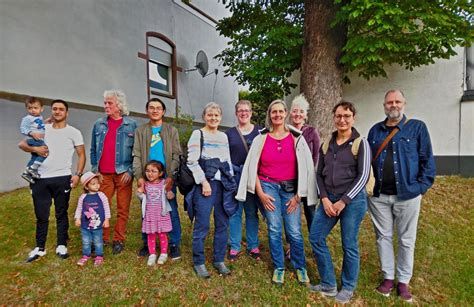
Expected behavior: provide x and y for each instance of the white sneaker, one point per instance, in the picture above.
(35, 254)
(151, 260)
(163, 258)
(61, 251)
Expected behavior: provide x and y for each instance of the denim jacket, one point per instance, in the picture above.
(414, 165)
(123, 147)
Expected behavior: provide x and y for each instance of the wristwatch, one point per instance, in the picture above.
(78, 174)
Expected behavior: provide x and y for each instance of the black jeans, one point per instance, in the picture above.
(43, 192)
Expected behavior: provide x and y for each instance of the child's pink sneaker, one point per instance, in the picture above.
(83, 260)
(99, 260)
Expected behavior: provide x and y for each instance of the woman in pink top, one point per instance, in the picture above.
(280, 170)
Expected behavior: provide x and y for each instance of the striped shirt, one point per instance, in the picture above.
(216, 145)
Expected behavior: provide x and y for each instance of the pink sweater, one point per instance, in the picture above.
(278, 160)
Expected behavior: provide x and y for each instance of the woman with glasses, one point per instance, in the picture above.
(343, 171)
(240, 139)
(279, 170)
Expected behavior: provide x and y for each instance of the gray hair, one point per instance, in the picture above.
(121, 100)
(395, 90)
(209, 106)
(301, 102)
(268, 120)
(243, 102)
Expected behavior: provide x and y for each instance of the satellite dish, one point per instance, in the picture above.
(202, 64)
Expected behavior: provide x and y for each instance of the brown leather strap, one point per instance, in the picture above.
(243, 140)
(387, 139)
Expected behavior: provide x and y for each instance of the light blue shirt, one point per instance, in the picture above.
(156, 146)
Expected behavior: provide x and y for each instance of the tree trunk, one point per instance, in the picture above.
(321, 73)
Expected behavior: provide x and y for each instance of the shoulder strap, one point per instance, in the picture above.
(387, 139)
(355, 146)
(325, 145)
(242, 138)
(202, 142)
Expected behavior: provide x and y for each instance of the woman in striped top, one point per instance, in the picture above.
(341, 178)
(211, 167)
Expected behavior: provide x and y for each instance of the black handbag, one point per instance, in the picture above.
(183, 176)
(289, 186)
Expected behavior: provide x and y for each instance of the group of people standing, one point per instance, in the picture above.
(280, 169)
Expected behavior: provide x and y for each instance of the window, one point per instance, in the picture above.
(161, 65)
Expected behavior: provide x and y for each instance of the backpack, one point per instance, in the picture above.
(369, 187)
(183, 176)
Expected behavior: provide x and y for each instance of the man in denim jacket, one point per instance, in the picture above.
(111, 155)
(404, 171)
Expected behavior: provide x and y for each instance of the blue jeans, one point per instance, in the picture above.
(278, 219)
(174, 235)
(251, 224)
(89, 237)
(350, 218)
(202, 214)
(35, 157)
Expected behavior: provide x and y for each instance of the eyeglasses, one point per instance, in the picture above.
(345, 116)
(155, 109)
(244, 111)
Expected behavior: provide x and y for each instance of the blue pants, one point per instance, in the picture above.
(34, 156)
(250, 206)
(174, 236)
(350, 218)
(89, 237)
(202, 213)
(278, 219)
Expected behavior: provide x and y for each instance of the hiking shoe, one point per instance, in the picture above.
(278, 277)
(151, 260)
(302, 276)
(221, 268)
(143, 252)
(83, 260)
(233, 255)
(61, 251)
(175, 252)
(201, 271)
(99, 260)
(344, 296)
(255, 253)
(162, 259)
(117, 247)
(27, 176)
(33, 172)
(35, 254)
(324, 290)
(404, 293)
(386, 287)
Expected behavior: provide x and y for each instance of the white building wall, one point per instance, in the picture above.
(74, 50)
(433, 95)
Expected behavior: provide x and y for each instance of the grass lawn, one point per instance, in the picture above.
(444, 262)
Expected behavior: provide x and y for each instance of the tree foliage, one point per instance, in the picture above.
(265, 43)
(260, 101)
(266, 37)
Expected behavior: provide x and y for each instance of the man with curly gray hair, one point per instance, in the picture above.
(111, 155)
